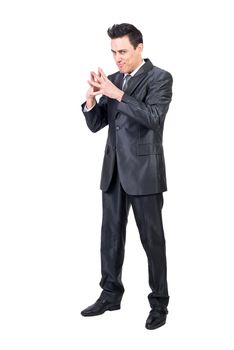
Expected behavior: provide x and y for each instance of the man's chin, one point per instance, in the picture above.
(122, 69)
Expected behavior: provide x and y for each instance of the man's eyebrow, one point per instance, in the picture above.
(119, 50)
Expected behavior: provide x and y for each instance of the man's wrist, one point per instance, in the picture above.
(90, 103)
(120, 95)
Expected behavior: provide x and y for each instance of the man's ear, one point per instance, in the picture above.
(140, 47)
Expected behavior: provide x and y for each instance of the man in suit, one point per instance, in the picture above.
(134, 102)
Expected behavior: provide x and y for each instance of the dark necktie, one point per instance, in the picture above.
(126, 80)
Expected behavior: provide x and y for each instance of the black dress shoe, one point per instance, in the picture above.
(99, 307)
(156, 318)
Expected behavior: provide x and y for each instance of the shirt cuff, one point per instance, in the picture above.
(88, 109)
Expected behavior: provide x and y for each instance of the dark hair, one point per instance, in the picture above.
(120, 30)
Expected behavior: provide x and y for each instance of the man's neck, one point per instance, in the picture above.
(133, 72)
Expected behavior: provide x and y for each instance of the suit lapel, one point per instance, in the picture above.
(119, 80)
(132, 84)
(139, 76)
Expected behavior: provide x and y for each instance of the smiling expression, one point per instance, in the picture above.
(127, 58)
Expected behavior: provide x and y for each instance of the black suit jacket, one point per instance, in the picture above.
(135, 134)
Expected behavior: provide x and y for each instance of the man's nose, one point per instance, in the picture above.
(118, 58)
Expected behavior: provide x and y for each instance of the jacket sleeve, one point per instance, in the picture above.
(152, 112)
(96, 118)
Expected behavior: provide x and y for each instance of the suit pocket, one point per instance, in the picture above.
(144, 149)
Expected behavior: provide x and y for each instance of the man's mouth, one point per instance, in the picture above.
(120, 65)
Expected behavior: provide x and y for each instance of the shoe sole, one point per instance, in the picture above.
(113, 308)
(155, 327)
(110, 308)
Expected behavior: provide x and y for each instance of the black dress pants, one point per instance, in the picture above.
(147, 212)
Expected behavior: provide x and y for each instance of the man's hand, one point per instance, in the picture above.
(90, 97)
(101, 85)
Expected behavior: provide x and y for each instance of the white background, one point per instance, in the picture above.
(51, 166)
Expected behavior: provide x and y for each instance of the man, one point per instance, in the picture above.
(134, 104)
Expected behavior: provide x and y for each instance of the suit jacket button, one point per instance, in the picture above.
(117, 127)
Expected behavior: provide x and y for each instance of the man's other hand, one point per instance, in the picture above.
(101, 85)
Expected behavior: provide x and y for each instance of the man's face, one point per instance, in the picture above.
(126, 57)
